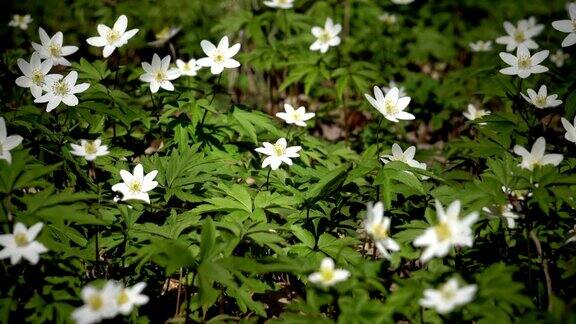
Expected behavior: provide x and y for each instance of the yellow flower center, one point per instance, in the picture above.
(37, 77)
(163, 34)
(61, 88)
(389, 107)
(279, 150)
(135, 186)
(95, 302)
(324, 37)
(21, 239)
(574, 24)
(519, 36)
(442, 231)
(19, 19)
(540, 101)
(55, 50)
(379, 232)
(160, 75)
(296, 115)
(112, 36)
(90, 148)
(122, 297)
(524, 62)
(447, 293)
(327, 275)
(218, 57)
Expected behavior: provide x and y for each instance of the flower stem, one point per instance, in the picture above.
(268, 179)
(211, 99)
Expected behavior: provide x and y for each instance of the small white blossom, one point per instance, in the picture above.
(220, 57)
(388, 18)
(20, 21)
(518, 35)
(280, 4)
(402, 2)
(559, 57)
(518, 194)
(159, 74)
(481, 46)
(572, 234)
(568, 26)
(90, 150)
(99, 304)
(164, 36)
(524, 64)
(189, 68)
(36, 75)
(278, 153)
(503, 211)
(328, 274)
(136, 186)
(297, 117)
(22, 244)
(449, 296)
(392, 84)
(570, 129)
(128, 297)
(450, 231)
(542, 99)
(326, 37)
(378, 227)
(62, 90)
(392, 105)
(7, 143)
(475, 113)
(404, 156)
(537, 156)
(51, 49)
(112, 38)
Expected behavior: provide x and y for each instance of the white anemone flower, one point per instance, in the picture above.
(326, 36)
(505, 211)
(532, 26)
(35, 74)
(219, 57)
(388, 18)
(90, 150)
(481, 46)
(450, 231)
(572, 235)
(559, 58)
(159, 74)
(392, 105)
(164, 36)
(403, 156)
(62, 90)
(402, 2)
(280, 4)
(112, 38)
(570, 129)
(136, 186)
(378, 227)
(328, 275)
(568, 26)
(392, 84)
(189, 68)
(7, 143)
(295, 116)
(518, 35)
(99, 304)
(524, 64)
(51, 48)
(22, 244)
(128, 297)
(20, 21)
(278, 153)
(475, 113)
(449, 296)
(541, 99)
(536, 156)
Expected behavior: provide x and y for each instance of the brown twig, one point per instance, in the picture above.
(544, 263)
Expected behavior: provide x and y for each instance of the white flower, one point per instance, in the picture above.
(127, 298)
(388, 18)
(541, 100)
(220, 57)
(518, 35)
(481, 46)
(137, 185)
(326, 37)
(112, 38)
(51, 48)
(392, 105)
(21, 244)
(572, 234)
(537, 156)
(62, 90)
(505, 211)
(35, 74)
(402, 2)
(518, 194)
(406, 157)
(568, 26)
(7, 143)
(328, 274)
(532, 26)
(475, 113)
(20, 21)
(559, 57)
(164, 36)
(392, 84)
(523, 64)
(159, 74)
(450, 231)
(90, 150)
(278, 153)
(297, 117)
(378, 227)
(448, 296)
(570, 129)
(99, 304)
(189, 68)
(281, 4)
